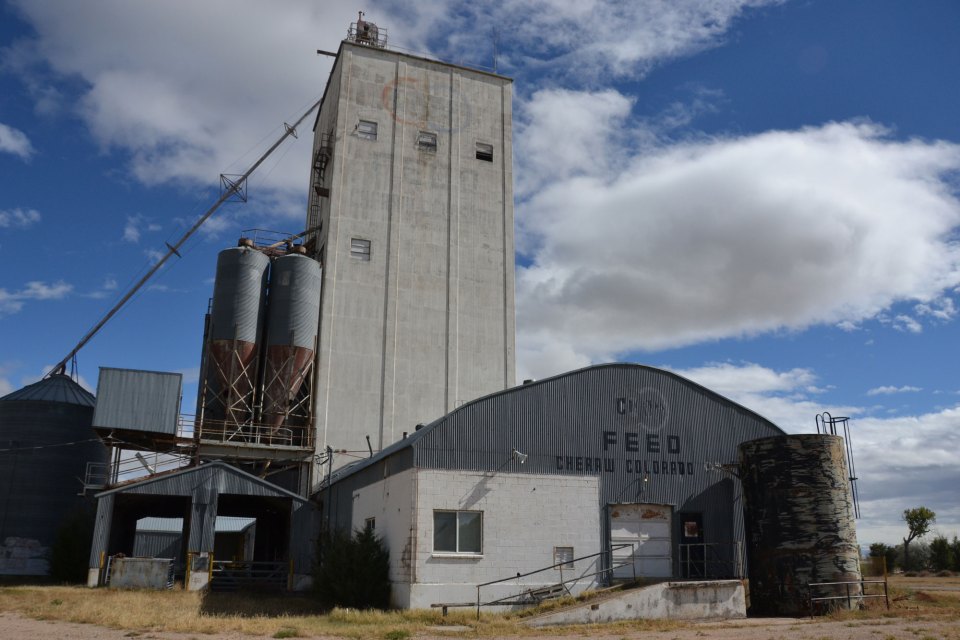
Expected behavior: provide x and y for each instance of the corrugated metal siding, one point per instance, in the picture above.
(602, 414)
(157, 544)
(138, 400)
(56, 388)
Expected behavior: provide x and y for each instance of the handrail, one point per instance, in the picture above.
(560, 565)
(849, 597)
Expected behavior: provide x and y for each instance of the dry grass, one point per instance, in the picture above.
(290, 617)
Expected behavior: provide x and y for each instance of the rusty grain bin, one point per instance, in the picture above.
(293, 313)
(236, 321)
(799, 523)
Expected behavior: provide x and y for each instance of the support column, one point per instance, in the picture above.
(101, 540)
(203, 529)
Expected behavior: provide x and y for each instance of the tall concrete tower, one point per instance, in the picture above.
(411, 202)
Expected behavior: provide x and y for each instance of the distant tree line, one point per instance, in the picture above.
(940, 554)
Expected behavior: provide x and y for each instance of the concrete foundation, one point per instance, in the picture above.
(141, 573)
(713, 599)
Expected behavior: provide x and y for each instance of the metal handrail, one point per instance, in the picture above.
(563, 583)
(849, 597)
(222, 431)
(686, 562)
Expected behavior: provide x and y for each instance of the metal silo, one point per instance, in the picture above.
(799, 523)
(294, 310)
(46, 442)
(236, 322)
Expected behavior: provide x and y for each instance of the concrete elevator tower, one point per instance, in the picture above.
(411, 212)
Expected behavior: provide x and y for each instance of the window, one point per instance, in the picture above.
(563, 557)
(367, 129)
(485, 151)
(370, 524)
(458, 532)
(427, 141)
(360, 249)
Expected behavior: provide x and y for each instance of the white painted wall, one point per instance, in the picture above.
(524, 517)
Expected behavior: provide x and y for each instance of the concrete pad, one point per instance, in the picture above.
(700, 600)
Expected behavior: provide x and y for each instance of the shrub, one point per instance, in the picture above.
(353, 571)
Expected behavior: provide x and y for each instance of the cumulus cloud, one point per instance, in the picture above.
(18, 218)
(12, 301)
(583, 39)
(888, 390)
(924, 471)
(737, 236)
(186, 90)
(15, 141)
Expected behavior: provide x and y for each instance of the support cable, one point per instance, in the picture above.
(234, 188)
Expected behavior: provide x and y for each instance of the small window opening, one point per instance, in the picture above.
(563, 557)
(360, 249)
(370, 524)
(485, 151)
(427, 141)
(367, 129)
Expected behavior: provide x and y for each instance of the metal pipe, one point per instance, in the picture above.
(173, 250)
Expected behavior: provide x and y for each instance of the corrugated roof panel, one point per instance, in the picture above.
(56, 388)
(225, 524)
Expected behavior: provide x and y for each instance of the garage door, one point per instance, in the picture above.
(647, 527)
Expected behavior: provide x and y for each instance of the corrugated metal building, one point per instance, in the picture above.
(285, 523)
(571, 465)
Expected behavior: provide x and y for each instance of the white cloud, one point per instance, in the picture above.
(15, 141)
(942, 309)
(12, 301)
(188, 112)
(924, 471)
(135, 226)
(733, 237)
(583, 39)
(18, 218)
(887, 390)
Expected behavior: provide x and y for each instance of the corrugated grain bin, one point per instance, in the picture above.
(46, 442)
(799, 523)
(294, 310)
(236, 321)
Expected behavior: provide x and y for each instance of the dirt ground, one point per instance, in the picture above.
(15, 626)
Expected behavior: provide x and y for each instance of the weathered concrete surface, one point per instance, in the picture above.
(140, 573)
(712, 599)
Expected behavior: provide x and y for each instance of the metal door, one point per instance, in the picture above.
(647, 527)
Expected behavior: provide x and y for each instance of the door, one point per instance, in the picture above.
(646, 527)
(693, 553)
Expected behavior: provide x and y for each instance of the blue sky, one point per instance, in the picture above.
(760, 195)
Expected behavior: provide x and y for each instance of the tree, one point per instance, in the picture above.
(918, 524)
(353, 571)
(881, 550)
(941, 555)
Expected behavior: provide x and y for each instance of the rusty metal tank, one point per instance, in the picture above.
(293, 314)
(799, 524)
(236, 323)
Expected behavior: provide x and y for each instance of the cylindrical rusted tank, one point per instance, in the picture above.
(293, 313)
(799, 523)
(236, 321)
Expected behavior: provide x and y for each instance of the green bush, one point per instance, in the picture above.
(353, 571)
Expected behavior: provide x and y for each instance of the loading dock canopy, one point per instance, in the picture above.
(199, 494)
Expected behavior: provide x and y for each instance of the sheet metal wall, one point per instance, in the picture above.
(629, 421)
(138, 400)
(203, 485)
